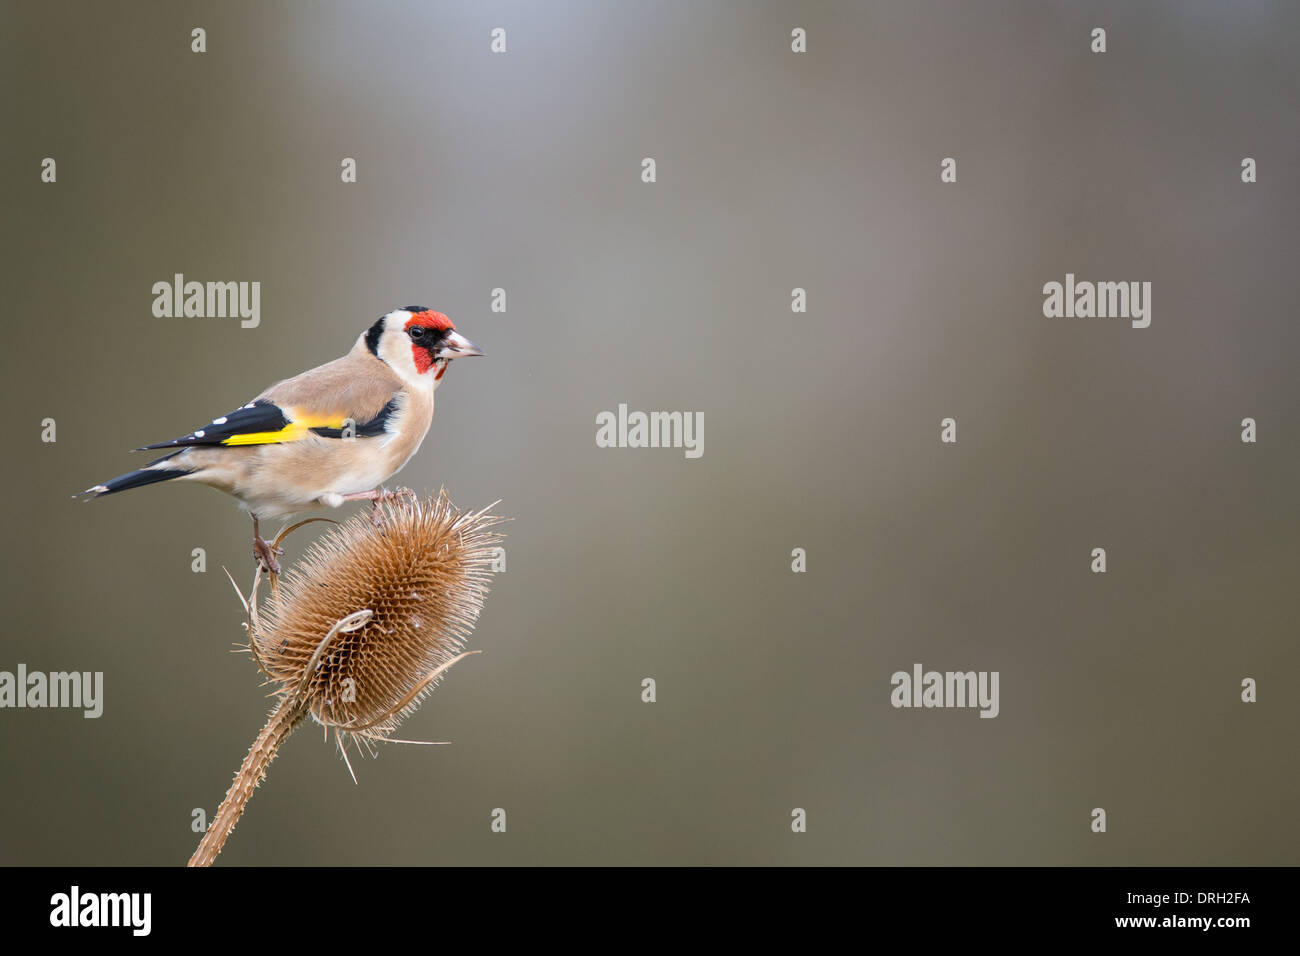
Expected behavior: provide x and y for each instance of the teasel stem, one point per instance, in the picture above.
(278, 727)
(288, 715)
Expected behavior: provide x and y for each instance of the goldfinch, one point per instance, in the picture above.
(330, 435)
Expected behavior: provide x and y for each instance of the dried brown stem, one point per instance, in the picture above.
(278, 727)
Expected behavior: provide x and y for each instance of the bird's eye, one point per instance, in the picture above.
(417, 332)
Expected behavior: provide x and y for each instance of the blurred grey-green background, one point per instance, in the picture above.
(776, 170)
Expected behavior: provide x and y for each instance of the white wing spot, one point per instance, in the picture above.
(219, 421)
(199, 433)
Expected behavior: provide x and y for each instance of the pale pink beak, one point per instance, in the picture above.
(454, 345)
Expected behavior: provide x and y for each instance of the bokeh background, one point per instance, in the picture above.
(775, 170)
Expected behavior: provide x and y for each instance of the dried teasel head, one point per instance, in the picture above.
(359, 631)
(365, 624)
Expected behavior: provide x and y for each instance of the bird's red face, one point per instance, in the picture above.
(435, 341)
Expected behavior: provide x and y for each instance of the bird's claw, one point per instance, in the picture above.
(376, 509)
(264, 554)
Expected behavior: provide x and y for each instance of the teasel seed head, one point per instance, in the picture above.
(361, 629)
(422, 575)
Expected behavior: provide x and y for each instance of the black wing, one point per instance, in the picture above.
(251, 424)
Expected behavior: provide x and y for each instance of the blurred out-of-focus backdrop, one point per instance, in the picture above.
(775, 170)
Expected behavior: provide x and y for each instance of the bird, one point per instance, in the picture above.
(330, 435)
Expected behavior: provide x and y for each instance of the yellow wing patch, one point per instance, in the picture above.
(294, 431)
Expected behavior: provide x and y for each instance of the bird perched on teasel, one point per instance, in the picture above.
(330, 435)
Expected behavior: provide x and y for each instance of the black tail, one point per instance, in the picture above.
(147, 475)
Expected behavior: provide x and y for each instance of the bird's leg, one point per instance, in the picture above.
(374, 497)
(264, 552)
(377, 497)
